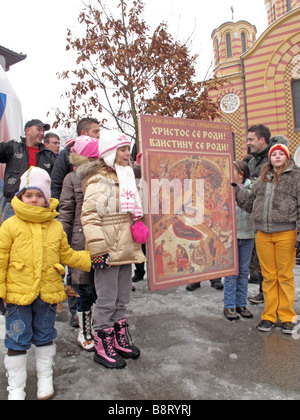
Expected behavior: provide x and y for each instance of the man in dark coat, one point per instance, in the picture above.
(19, 156)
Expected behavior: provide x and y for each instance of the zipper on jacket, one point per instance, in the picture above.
(270, 188)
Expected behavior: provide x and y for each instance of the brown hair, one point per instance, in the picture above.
(243, 169)
(267, 171)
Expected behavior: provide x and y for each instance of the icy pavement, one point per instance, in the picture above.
(189, 351)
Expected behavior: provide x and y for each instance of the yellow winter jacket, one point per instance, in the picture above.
(33, 251)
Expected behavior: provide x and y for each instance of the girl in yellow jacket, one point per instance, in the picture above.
(33, 251)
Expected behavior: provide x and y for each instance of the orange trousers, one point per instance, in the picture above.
(276, 253)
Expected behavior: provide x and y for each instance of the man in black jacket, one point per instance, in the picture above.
(19, 156)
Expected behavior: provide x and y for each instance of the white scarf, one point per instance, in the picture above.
(129, 196)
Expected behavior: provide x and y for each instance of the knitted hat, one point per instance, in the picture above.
(86, 146)
(36, 178)
(110, 143)
(281, 147)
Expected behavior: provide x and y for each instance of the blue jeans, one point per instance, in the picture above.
(32, 324)
(236, 287)
(8, 211)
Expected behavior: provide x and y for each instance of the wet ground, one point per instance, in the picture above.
(189, 352)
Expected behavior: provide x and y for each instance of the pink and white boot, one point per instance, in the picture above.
(121, 344)
(105, 353)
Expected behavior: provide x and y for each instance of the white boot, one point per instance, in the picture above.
(44, 364)
(85, 338)
(17, 375)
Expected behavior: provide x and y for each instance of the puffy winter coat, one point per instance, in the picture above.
(70, 205)
(274, 207)
(33, 251)
(107, 231)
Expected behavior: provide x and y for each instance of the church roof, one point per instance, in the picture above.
(11, 57)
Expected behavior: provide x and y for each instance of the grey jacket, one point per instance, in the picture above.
(274, 207)
(244, 224)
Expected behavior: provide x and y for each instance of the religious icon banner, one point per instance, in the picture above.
(188, 200)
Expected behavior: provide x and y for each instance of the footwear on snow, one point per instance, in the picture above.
(85, 337)
(121, 343)
(44, 368)
(105, 353)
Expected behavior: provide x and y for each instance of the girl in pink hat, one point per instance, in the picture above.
(111, 203)
(84, 150)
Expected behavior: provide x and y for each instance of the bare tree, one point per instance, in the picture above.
(123, 70)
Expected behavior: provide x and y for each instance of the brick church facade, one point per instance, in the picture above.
(262, 75)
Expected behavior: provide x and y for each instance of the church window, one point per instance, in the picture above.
(289, 5)
(229, 46)
(244, 43)
(296, 103)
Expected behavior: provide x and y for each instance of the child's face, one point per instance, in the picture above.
(123, 156)
(278, 159)
(34, 197)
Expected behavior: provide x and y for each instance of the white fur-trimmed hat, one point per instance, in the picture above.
(109, 144)
(36, 178)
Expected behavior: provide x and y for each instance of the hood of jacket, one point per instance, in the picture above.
(35, 214)
(87, 168)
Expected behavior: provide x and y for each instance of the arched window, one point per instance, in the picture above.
(229, 46)
(244, 43)
(296, 103)
(289, 5)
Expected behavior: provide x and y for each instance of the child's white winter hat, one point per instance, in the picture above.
(36, 178)
(109, 143)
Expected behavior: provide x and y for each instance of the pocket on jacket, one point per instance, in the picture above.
(17, 265)
(60, 268)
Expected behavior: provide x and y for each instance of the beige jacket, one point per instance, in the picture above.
(106, 230)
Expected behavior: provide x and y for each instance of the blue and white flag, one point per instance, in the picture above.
(11, 122)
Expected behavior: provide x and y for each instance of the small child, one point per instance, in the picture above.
(33, 251)
(111, 203)
(236, 287)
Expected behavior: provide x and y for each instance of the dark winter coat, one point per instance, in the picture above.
(61, 169)
(274, 207)
(15, 155)
(71, 200)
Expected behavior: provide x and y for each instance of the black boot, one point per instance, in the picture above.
(105, 353)
(193, 286)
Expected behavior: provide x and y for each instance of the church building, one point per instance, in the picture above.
(262, 76)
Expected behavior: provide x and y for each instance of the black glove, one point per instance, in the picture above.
(2, 307)
(100, 262)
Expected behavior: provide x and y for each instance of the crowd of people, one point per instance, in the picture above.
(80, 208)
